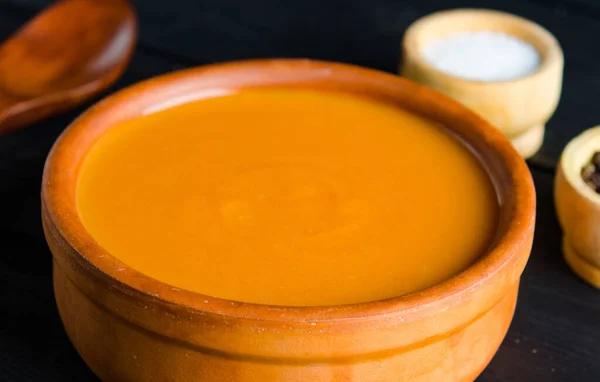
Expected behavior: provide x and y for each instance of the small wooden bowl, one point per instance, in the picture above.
(578, 207)
(519, 108)
(130, 327)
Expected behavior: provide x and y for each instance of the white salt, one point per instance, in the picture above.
(482, 56)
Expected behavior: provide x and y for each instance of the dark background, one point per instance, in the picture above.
(555, 335)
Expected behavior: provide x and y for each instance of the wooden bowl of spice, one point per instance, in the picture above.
(271, 221)
(577, 201)
(504, 67)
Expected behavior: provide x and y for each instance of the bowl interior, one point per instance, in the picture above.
(507, 171)
(442, 24)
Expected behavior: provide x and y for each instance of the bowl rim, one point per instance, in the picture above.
(60, 172)
(552, 57)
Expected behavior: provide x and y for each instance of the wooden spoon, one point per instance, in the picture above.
(65, 55)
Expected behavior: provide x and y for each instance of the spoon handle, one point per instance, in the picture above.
(17, 113)
(8, 107)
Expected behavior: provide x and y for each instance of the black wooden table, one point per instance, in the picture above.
(555, 335)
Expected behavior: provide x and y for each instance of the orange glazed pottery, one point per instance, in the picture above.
(130, 327)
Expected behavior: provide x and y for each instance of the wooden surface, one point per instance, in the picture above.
(555, 335)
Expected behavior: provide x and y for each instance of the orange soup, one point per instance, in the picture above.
(288, 197)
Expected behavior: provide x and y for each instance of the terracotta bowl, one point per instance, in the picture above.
(130, 327)
(519, 108)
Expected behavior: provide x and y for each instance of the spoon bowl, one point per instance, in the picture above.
(68, 53)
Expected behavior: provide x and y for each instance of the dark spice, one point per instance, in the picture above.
(590, 173)
(596, 159)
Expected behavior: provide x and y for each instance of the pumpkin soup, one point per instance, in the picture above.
(288, 197)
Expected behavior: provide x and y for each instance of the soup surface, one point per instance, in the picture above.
(288, 197)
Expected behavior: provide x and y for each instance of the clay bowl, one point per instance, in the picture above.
(128, 327)
(578, 207)
(519, 108)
